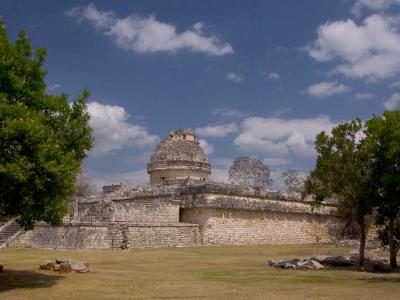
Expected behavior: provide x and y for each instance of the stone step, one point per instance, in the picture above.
(8, 232)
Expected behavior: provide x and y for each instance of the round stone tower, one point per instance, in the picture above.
(178, 157)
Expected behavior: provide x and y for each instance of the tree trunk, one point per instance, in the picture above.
(392, 244)
(363, 235)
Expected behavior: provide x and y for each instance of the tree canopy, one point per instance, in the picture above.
(343, 171)
(383, 142)
(43, 138)
(250, 172)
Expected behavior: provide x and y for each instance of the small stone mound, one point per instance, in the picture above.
(65, 266)
(373, 265)
(319, 262)
(297, 264)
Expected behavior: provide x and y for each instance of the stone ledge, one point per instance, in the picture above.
(107, 224)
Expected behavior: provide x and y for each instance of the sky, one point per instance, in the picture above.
(256, 78)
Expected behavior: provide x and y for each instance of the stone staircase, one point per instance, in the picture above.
(8, 231)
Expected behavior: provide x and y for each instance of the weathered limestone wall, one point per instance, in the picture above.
(109, 236)
(138, 211)
(225, 226)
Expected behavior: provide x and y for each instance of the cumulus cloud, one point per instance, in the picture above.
(393, 102)
(236, 77)
(112, 131)
(53, 87)
(219, 175)
(326, 88)
(273, 76)
(376, 5)
(228, 112)
(146, 34)
(277, 137)
(370, 50)
(276, 161)
(207, 148)
(218, 131)
(363, 96)
(395, 84)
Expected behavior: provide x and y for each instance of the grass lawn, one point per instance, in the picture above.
(203, 272)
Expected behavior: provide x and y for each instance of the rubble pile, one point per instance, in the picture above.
(65, 266)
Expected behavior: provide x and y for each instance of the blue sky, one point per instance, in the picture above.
(256, 78)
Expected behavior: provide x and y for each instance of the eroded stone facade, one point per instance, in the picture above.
(184, 209)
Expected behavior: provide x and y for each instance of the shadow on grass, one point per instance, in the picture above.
(19, 279)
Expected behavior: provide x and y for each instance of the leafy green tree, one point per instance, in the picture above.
(383, 141)
(43, 138)
(342, 171)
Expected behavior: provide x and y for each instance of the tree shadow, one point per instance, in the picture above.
(17, 279)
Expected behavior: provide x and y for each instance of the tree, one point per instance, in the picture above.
(383, 141)
(294, 183)
(343, 171)
(43, 138)
(250, 172)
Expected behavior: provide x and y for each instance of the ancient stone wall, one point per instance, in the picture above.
(146, 210)
(226, 226)
(109, 236)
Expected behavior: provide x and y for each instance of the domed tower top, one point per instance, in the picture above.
(178, 157)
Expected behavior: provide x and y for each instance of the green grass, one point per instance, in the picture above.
(186, 273)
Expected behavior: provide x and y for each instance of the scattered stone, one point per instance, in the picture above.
(296, 264)
(318, 262)
(372, 243)
(354, 252)
(79, 267)
(373, 265)
(65, 268)
(337, 261)
(65, 265)
(47, 265)
(62, 260)
(319, 258)
(348, 243)
(1, 268)
(317, 265)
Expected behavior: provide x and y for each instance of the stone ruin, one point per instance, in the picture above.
(181, 207)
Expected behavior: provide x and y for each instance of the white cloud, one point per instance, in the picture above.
(393, 102)
(274, 76)
(207, 148)
(222, 162)
(219, 131)
(377, 5)
(227, 112)
(326, 88)
(277, 137)
(395, 84)
(53, 87)
(146, 34)
(276, 161)
(236, 77)
(219, 175)
(112, 131)
(363, 96)
(370, 50)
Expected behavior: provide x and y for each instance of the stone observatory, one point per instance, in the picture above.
(179, 157)
(182, 207)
